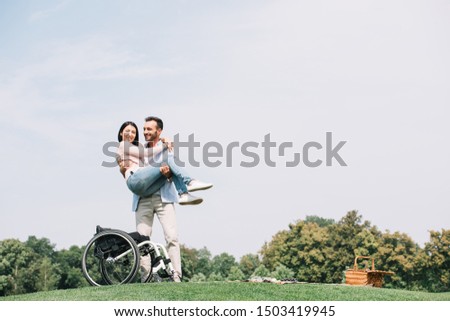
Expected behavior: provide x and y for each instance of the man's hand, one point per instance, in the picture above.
(165, 170)
(168, 143)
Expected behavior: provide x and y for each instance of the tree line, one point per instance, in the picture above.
(315, 250)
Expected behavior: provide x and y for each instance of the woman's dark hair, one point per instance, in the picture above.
(125, 124)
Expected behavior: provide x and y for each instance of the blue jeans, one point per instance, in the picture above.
(148, 180)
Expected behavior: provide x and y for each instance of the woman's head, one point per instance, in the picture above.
(129, 132)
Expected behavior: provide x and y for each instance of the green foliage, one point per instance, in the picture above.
(48, 275)
(236, 274)
(35, 265)
(261, 271)
(398, 253)
(204, 261)
(438, 251)
(199, 277)
(4, 284)
(70, 268)
(41, 247)
(282, 272)
(15, 257)
(189, 262)
(215, 276)
(318, 250)
(322, 222)
(248, 263)
(348, 238)
(195, 261)
(313, 250)
(303, 249)
(222, 263)
(40, 275)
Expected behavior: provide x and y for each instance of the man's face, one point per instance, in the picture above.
(151, 131)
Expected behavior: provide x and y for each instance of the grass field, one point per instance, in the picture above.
(229, 291)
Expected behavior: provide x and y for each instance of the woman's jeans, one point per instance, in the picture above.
(149, 179)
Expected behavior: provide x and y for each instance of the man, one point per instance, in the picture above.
(162, 202)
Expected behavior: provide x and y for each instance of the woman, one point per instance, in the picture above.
(143, 179)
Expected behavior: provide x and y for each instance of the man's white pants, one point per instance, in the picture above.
(145, 213)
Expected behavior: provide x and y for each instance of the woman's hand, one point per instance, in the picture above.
(123, 166)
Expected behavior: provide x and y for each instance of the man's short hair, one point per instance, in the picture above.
(158, 121)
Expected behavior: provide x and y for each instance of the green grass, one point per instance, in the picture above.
(229, 291)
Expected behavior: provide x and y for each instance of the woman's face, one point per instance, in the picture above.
(129, 133)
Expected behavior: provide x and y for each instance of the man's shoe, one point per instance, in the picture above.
(146, 268)
(176, 278)
(188, 199)
(195, 185)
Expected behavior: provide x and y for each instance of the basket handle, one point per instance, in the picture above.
(355, 266)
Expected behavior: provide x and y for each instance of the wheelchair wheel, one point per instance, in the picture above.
(111, 257)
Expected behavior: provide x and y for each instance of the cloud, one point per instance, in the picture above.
(93, 58)
(44, 89)
(44, 14)
(89, 59)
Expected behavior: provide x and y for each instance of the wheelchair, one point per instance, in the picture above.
(113, 257)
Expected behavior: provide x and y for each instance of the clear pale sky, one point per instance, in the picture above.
(375, 74)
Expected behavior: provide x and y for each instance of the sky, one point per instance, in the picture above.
(374, 74)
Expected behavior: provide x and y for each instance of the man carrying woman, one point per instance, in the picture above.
(156, 182)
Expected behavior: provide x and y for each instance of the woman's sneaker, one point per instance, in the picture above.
(195, 185)
(188, 199)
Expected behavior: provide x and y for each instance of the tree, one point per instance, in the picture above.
(204, 261)
(322, 222)
(261, 271)
(347, 239)
(215, 276)
(235, 274)
(277, 249)
(248, 263)
(43, 272)
(14, 256)
(304, 248)
(41, 247)
(397, 252)
(5, 284)
(221, 264)
(189, 262)
(282, 272)
(49, 275)
(199, 277)
(69, 263)
(438, 251)
(318, 250)
(195, 261)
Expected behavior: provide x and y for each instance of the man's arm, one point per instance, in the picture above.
(140, 152)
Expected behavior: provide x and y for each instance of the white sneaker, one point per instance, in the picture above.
(195, 185)
(188, 199)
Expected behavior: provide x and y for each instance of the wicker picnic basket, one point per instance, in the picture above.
(365, 276)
